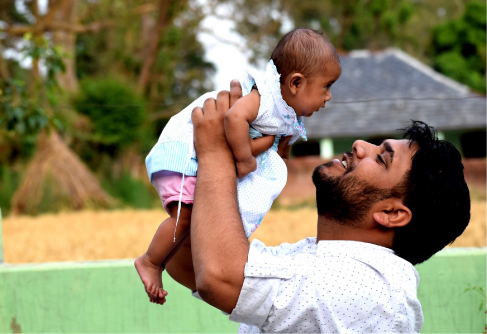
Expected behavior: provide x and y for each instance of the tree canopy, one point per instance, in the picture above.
(107, 74)
(458, 47)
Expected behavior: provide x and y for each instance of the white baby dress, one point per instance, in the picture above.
(257, 191)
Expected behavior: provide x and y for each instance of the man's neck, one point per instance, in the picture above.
(365, 232)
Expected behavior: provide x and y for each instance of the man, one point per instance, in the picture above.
(381, 210)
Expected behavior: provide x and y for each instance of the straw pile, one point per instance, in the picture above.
(57, 179)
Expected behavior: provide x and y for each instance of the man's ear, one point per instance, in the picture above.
(295, 82)
(392, 213)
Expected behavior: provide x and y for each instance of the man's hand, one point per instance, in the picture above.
(209, 133)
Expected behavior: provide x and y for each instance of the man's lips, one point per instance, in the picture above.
(345, 163)
(336, 162)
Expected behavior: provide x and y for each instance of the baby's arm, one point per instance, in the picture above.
(237, 120)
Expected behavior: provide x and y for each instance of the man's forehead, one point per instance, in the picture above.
(403, 149)
(400, 144)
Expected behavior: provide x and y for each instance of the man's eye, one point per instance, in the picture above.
(380, 160)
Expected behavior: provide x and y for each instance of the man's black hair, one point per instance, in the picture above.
(435, 192)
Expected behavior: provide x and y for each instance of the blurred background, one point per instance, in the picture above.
(86, 87)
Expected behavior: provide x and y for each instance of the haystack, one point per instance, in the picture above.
(56, 179)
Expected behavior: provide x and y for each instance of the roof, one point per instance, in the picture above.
(379, 92)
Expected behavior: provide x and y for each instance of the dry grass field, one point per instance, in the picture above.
(97, 235)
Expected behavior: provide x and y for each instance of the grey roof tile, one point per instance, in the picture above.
(378, 93)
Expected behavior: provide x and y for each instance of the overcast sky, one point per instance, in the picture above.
(229, 60)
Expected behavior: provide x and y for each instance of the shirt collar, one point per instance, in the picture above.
(348, 248)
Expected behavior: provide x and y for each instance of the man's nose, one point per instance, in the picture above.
(362, 148)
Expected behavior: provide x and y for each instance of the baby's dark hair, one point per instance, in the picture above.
(304, 51)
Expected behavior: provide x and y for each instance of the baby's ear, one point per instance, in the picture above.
(295, 82)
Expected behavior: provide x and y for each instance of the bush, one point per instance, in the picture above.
(131, 192)
(458, 47)
(9, 181)
(117, 113)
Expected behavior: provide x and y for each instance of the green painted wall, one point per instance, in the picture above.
(107, 296)
(447, 307)
(97, 297)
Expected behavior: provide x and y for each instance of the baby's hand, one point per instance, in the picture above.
(245, 167)
(283, 149)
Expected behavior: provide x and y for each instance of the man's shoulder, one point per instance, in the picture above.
(383, 261)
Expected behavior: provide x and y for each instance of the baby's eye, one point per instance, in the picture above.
(328, 87)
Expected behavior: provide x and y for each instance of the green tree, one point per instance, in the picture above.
(24, 107)
(349, 24)
(158, 51)
(459, 47)
(117, 114)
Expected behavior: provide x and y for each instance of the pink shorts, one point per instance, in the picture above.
(168, 186)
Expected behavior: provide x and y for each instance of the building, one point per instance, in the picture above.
(379, 92)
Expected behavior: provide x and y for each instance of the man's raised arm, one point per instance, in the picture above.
(219, 245)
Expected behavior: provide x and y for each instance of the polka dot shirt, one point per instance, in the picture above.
(328, 287)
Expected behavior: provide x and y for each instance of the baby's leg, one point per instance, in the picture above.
(163, 246)
(150, 265)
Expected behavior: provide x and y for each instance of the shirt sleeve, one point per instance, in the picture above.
(263, 273)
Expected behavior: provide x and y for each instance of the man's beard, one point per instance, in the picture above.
(345, 199)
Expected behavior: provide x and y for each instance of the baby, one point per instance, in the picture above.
(296, 84)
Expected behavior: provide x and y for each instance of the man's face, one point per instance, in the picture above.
(345, 190)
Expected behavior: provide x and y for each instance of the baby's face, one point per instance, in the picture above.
(315, 91)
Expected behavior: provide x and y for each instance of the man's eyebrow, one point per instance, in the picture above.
(388, 148)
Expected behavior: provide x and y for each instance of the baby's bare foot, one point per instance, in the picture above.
(245, 167)
(150, 275)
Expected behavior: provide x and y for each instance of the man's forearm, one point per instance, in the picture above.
(219, 244)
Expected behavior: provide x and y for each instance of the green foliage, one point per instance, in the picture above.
(479, 291)
(459, 47)
(18, 114)
(9, 181)
(115, 110)
(131, 192)
(405, 12)
(21, 109)
(25, 105)
(349, 24)
(42, 49)
(180, 72)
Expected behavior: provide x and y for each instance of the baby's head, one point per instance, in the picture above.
(308, 64)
